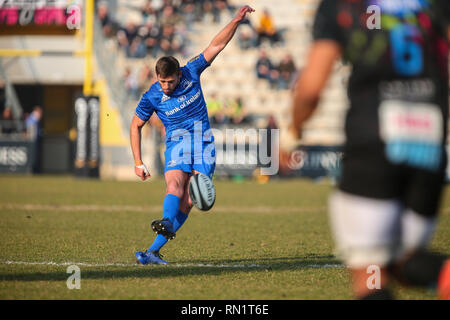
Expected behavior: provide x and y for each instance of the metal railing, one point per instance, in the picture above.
(11, 96)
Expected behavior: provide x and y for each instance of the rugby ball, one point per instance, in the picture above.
(202, 191)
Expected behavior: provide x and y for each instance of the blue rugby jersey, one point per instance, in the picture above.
(185, 106)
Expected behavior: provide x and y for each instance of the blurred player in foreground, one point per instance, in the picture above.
(384, 211)
(178, 101)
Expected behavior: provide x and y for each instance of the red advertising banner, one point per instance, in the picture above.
(40, 13)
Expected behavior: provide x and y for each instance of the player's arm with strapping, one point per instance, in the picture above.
(324, 51)
(143, 112)
(135, 138)
(220, 41)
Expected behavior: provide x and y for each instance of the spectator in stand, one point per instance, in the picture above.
(32, 123)
(207, 10)
(165, 47)
(158, 15)
(166, 40)
(216, 111)
(151, 34)
(131, 83)
(231, 8)
(237, 112)
(125, 36)
(169, 16)
(2, 93)
(130, 31)
(287, 71)
(105, 20)
(199, 12)
(137, 49)
(122, 40)
(146, 76)
(180, 41)
(34, 132)
(265, 69)
(6, 123)
(188, 11)
(267, 30)
(218, 7)
(149, 13)
(157, 4)
(247, 37)
(152, 45)
(172, 41)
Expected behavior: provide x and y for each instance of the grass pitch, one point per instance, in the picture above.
(267, 241)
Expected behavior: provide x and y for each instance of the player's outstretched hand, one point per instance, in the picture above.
(289, 154)
(289, 139)
(243, 12)
(142, 172)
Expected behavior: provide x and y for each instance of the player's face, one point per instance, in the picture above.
(168, 84)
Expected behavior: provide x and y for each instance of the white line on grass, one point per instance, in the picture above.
(84, 264)
(178, 265)
(157, 209)
(152, 209)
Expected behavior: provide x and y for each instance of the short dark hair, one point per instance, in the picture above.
(167, 66)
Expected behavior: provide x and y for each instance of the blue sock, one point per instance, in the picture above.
(160, 240)
(170, 210)
(170, 207)
(179, 220)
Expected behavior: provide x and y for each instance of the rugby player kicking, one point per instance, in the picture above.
(384, 210)
(177, 99)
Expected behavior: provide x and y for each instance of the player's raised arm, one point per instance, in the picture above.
(225, 35)
(313, 79)
(135, 137)
(308, 88)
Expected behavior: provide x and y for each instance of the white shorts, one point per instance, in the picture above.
(375, 232)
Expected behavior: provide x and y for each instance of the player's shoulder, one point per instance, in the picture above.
(154, 93)
(187, 74)
(154, 88)
(200, 57)
(197, 61)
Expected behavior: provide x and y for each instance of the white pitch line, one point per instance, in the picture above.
(84, 264)
(178, 265)
(61, 264)
(152, 209)
(324, 266)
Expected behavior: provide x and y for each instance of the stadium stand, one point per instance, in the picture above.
(232, 74)
(123, 70)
